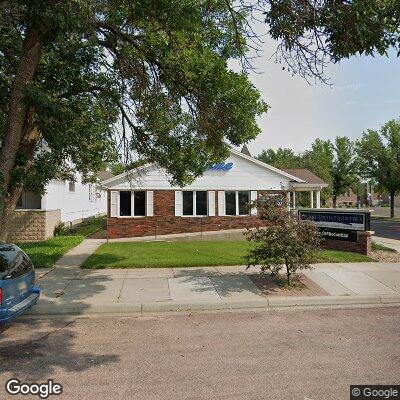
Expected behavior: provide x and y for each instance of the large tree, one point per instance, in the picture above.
(74, 73)
(344, 167)
(312, 34)
(319, 159)
(281, 158)
(379, 158)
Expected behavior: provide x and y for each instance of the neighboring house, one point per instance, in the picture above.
(69, 202)
(142, 202)
(367, 197)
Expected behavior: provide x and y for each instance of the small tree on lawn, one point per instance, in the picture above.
(283, 241)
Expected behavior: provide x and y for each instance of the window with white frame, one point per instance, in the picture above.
(237, 202)
(71, 186)
(194, 202)
(132, 203)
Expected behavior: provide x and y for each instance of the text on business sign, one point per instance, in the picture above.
(327, 219)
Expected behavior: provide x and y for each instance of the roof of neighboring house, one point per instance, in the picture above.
(305, 174)
(104, 175)
(245, 150)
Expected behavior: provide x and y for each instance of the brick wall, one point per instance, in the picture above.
(363, 244)
(33, 225)
(165, 222)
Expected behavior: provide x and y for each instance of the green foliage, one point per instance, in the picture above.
(319, 160)
(285, 240)
(45, 254)
(344, 168)
(335, 163)
(149, 77)
(311, 34)
(86, 228)
(379, 157)
(281, 158)
(60, 230)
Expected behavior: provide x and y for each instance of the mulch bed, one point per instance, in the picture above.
(276, 286)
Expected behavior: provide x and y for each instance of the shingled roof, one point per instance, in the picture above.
(305, 175)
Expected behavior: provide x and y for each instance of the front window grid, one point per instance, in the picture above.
(132, 207)
(190, 209)
(233, 203)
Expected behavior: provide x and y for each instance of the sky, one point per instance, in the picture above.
(365, 93)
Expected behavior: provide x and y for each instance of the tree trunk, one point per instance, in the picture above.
(334, 201)
(27, 150)
(16, 126)
(392, 195)
(288, 276)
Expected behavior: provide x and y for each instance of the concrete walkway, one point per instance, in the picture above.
(69, 289)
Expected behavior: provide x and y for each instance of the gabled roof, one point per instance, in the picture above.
(233, 151)
(305, 174)
(245, 150)
(267, 166)
(104, 175)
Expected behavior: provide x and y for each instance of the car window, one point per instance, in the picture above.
(13, 262)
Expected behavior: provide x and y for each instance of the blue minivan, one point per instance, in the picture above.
(17, 282)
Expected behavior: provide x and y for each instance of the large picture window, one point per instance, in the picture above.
(132, 204)
(194, 203)
(237, 202)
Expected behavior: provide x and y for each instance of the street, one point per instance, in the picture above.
(286, 354)
(386, 228)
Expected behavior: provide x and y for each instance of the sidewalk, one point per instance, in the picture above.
(67, 289)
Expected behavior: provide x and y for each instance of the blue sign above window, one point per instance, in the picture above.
(222, 166)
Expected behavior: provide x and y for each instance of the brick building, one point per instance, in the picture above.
(142, 202)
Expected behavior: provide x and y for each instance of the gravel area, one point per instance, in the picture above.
(385, 256)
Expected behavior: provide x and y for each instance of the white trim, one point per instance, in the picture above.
(149, 203)
(253, 197)
(221, 202)
(178, 203)
(211, 203)
(114, 197)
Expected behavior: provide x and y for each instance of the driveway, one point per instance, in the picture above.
(386, 228)
(287, 354)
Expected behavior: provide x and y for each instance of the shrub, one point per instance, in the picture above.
(61, 230)
(283, 241)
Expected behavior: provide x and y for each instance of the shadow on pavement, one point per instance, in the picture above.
(33, 351)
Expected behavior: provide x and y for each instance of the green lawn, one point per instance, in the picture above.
(86, 228)
(377, 246)
(45, 254)
(187, 254)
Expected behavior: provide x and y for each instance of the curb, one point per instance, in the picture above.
(168, 306)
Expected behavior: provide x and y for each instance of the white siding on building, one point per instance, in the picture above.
(79, 204)
(244, 175)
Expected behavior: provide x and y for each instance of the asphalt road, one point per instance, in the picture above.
(386, 228)
(289, 354)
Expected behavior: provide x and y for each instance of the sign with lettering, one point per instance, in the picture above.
(221, 166)
(345, 220)
(338, 234)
